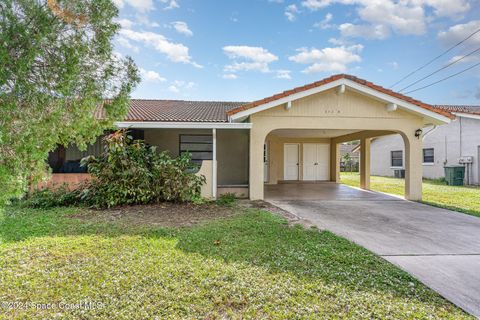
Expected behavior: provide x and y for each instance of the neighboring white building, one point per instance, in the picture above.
(443, 145)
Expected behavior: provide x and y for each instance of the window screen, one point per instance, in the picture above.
(428, 155)
(397, 158)
(199, 146)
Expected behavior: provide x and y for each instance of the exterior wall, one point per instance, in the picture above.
(232, 151)
(276, 156)
(232, 157)
(459, 138)
(329, 110)
(70, 180)
(169, 139)
(380, 150)
(206, 170)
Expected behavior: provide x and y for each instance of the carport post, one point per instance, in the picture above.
(334, 161)
(214, 163)
(413, 172)
(365, 163)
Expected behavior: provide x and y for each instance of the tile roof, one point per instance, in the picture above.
(459, 108)
(218, 111)
(179, 110)
(334, 78)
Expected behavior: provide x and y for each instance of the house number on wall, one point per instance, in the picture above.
(332, 111)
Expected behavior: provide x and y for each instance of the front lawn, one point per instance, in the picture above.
(436, 193)
(246, 263)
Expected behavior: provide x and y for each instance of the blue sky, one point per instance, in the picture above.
(249, 49)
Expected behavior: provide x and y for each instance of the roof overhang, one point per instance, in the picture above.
(181, 125)
(467, 115)
(430, 116)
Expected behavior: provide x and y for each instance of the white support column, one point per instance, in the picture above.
(214, 163)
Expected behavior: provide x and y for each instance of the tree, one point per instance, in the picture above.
(348, 161)
(57, 70)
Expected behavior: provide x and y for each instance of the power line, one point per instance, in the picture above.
(436, 58)
(443, 68)
(446, 78)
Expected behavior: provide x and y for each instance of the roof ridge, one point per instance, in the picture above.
(181, 100)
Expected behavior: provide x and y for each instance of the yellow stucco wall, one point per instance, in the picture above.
(330, 110)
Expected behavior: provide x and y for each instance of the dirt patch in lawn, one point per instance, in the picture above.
(264, 205)
(163, 214)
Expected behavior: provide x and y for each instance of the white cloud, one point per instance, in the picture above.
(178, 85)
(138, 5)
(182, 27)
(394, 65)
(316, 4)
(171, 4)
(458, 32)
(379, 18)
(325, 23)
(449, 8)
(229, 76)
(246, 58)
(143, 19)
(337, 42)
(173, 89)
(291, 12)
(365, 31)
(175, 52)
(283, 74)
(401, 17)
(334, 59)
(126, 44)
(125, 23)
(151, 76)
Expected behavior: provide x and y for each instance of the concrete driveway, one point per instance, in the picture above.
(439, 247)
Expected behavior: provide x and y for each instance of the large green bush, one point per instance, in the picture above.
(131, 172)
(128, 172)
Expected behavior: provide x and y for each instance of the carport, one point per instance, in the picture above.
(325, 191)
(295, 135)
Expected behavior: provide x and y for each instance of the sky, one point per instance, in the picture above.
(245, 50)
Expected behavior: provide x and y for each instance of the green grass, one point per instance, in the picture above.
(252, 265)
(436, 193)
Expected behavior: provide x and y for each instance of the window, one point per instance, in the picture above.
(428, 155)
(199, 146)
(397, 158)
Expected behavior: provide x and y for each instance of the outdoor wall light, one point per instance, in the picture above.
(418, 133)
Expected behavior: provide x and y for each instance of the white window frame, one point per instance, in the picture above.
(423, 157)
(391, 160)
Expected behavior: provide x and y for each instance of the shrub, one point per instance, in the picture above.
(131, 172)
(227, 199)
(46, 198)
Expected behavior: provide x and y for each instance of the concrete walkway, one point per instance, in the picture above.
(439, 247)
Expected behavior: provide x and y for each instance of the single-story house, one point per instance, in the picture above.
(457, 143)
(294, 135)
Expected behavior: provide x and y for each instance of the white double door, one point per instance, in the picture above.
(316, 161)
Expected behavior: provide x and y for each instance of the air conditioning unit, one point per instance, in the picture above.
(465, 160)
(399, 173)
